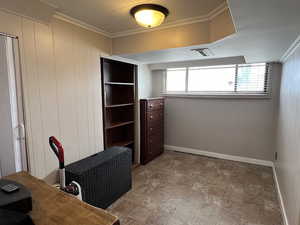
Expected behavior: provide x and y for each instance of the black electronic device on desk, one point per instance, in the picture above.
(15, 202)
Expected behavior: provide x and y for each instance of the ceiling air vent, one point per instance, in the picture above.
(203, 51)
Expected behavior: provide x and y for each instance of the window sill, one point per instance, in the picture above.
(217, 96)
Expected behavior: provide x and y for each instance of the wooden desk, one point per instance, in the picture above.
(54, 207)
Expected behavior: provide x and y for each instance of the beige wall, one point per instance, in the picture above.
(221, 26)
(144, 81)
(144, 91)
(181, 36)
(62, 86)
(239, 127)
(192, 34)
(197, 63)
(29, 8)
(288, 138)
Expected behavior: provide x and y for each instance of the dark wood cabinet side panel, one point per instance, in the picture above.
(143, 135)
(152, 128)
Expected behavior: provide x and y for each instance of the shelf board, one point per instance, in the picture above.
(114, 125)
(118, 105)
(119, 83)
(121, 143)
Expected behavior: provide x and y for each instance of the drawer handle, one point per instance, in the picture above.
(151, 128)
(161, 104)
(151, 106)
(151, 117)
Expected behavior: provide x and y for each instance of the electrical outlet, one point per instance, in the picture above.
(276, 156)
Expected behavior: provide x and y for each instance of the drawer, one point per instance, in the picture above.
(155, 140)
(155, 117)
(155, 104)
(156, 129)
(155, 149)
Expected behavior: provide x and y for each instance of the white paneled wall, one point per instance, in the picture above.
(62, 89)
(287, 139)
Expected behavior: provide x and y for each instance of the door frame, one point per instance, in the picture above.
(16, 102)
(20, 103)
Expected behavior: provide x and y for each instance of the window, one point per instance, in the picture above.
(211, 79)
(176, 79)
(243, 79)
(252, 78)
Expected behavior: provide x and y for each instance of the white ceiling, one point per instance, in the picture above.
(265, 30)
(113, 16)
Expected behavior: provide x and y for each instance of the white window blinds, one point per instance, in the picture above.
(252, 78)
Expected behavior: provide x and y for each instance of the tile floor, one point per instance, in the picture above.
(184, 189)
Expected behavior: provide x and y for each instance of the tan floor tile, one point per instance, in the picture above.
(185, 189)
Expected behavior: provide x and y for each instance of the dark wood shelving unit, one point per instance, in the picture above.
(119, 83)
(120, 124)
(119, 105)
(118, 92)
(122, 143)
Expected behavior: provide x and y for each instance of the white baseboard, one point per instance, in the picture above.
(219, 155)
(282, 206)
(239, 159)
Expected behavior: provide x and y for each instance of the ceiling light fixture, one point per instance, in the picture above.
(149, 15)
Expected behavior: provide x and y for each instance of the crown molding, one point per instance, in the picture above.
(211, 15)
(161, 27)
(291, 50)
(233, 21)
(81, 24)
(49, 4)
(61, 16)
(24, 16)
(217, 11)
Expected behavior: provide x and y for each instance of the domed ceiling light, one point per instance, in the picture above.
(149, 15)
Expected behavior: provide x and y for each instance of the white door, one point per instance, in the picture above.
(12, 130)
